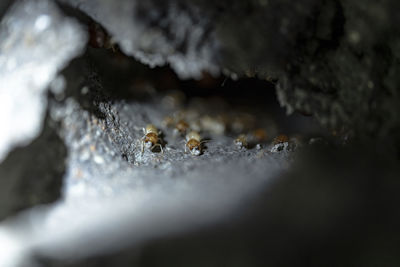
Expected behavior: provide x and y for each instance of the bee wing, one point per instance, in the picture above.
(205, 141)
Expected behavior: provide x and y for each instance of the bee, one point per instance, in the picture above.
(241, 141)
(213, 125)
(296, 141)
(281, 139)
(189, 117)
(151, 138)
(181, 127)
(260, 135)
(242, 122)
(195, 125)
(194, 143)
(174, 99)
(281, 142)
(168, 122)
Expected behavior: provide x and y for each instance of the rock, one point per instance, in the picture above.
(32, 175)
(345, 76)
(36, 41)
(333, 206)
(336, 60)
(226, 206)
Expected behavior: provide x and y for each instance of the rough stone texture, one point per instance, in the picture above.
(36, 41)
(228, 206)
(348, 77)
(193, 36)
(336, 60)
(116, 196)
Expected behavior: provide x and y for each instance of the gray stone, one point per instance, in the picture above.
(36, 41)
(335, 60)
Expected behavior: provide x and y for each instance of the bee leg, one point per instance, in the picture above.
(142, 147)
(162, 151)
(204, 141)
(159, 145)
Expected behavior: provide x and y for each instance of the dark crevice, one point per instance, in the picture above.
(33, 174)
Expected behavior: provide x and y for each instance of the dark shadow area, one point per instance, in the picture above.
(123, 78)
(32, 175)
(336, 207)
(4, 5)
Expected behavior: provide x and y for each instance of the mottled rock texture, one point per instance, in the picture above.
(347, 75)
(336, 60)
(36, 41)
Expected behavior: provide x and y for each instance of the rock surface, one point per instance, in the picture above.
(36, 41)
(115, 195)
(282, 203)
(337, 60)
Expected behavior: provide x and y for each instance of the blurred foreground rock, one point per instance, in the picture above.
(33, 175)
(36, 41)
(334, 207)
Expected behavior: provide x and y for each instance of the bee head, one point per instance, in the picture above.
(151, 139)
